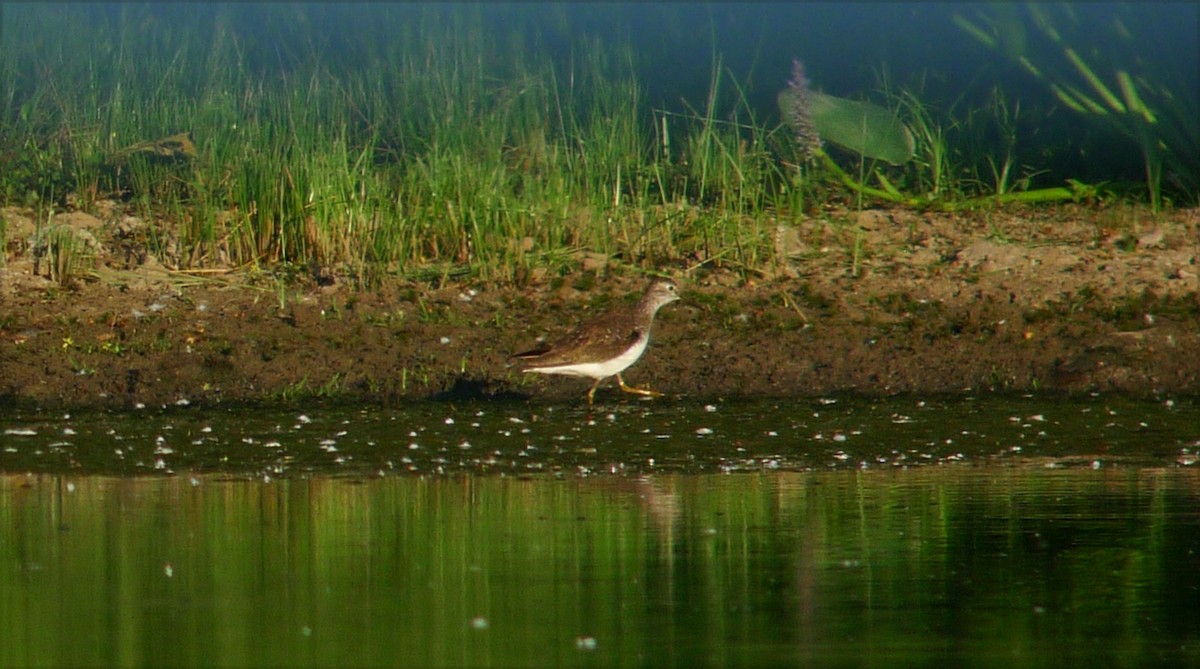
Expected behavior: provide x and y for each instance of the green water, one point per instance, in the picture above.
(893, 533)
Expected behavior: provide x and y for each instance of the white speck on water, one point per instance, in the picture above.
(585, 643)
(449, 421)
(839, 437)
(772, 433)
(306, 631)
(139, 405)
(68, 431)
(206, 429)
(194, 481)
(160, 464)
(465, 445)
(182, 402)
(827, 401)
(413, 446)
(710, 408)
(20, 431)
(514, 419)
(1096, 464)
(168, 570)
(303, 419)
(479, 623)
(1040, 418)
(444, 340)
(272, 444)
(702, 431)
(70, 487)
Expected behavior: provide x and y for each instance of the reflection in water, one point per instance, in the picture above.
(996, 565)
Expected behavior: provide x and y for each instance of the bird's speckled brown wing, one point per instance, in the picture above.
(595, 341)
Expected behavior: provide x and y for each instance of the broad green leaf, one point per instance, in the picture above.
(866, 129)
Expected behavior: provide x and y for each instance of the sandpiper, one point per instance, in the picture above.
(607, 345)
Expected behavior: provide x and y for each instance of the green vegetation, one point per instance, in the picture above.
(64, 251)
(427, 145)
(945, 166)
(1098, 74)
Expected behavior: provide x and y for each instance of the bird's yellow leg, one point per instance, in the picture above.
(592, 391)
(637, 391)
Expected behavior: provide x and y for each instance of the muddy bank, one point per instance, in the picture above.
(877, 302)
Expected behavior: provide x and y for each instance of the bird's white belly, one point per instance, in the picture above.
(597, 370)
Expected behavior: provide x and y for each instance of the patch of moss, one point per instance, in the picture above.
(903, 304)
(805, 296)
(1139, 312)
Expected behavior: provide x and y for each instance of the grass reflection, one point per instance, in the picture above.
(988, 564)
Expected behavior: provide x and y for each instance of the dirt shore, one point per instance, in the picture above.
(1072, 298)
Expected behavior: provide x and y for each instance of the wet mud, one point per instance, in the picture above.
(877, 302)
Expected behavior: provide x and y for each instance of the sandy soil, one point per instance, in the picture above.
(1074, 298)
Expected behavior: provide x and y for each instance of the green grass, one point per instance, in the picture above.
(427, 145)
(448, 147)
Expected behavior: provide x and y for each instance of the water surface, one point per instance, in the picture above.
(999, 532)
